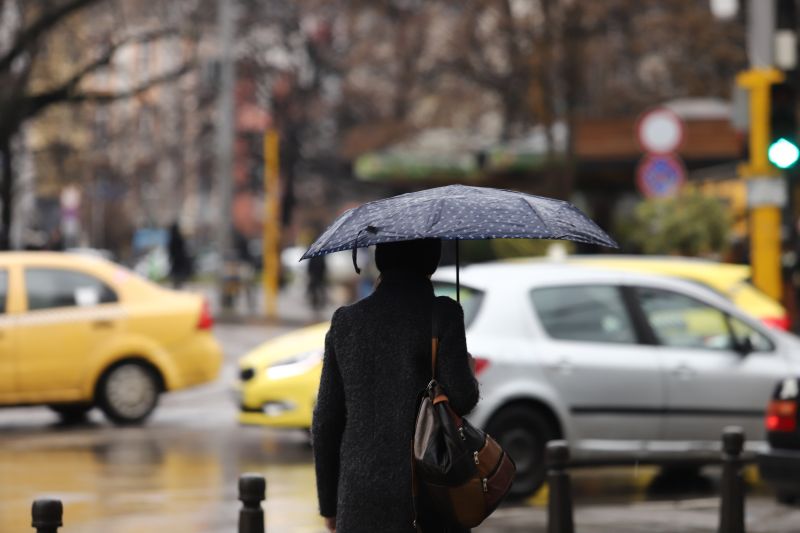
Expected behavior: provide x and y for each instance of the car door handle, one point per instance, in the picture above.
(684, 371)
(563, 366)
(103, 324)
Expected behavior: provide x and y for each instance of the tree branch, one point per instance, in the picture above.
(34, 104)
(40, 101)
(46, 21)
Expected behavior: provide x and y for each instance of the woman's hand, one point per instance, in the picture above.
(330, 523)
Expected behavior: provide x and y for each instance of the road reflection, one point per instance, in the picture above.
(166, 477)
(154, 479)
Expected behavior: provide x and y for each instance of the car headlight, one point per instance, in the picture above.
(295, 365)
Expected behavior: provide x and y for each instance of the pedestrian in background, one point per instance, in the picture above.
(317, 289)
(377, 361)
(180, 267)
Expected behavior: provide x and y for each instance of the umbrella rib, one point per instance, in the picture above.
(535, 212)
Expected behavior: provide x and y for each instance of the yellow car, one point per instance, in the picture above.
(279, 379)
(79, 331)
(730, 280)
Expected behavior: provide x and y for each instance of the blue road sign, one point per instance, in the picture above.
(660, 175)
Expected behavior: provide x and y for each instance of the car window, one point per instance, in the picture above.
(584, 313)
(681, 321)
(758, 341)
(49, 288)
(470, 298)
(3, 291)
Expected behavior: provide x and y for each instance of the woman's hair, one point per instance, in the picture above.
(420, 256)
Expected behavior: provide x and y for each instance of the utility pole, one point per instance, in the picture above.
(766, 187)
(225, 135)
(272, 222)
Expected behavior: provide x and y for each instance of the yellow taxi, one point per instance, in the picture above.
(79, 331)
(278, 380)
(731, 280)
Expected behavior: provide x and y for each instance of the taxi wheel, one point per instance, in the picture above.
(128, 392)
(523, 432)
(71, 413)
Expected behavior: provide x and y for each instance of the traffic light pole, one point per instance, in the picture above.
(765, 214)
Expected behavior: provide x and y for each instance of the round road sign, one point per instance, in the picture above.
(660, 131)
(660, 175)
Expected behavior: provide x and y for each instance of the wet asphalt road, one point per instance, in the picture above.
(179, 473)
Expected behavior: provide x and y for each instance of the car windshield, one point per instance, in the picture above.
(470, 298)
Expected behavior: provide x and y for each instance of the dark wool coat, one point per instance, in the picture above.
(377, 361)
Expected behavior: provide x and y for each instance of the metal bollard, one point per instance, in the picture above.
(252, 490)
(559, 500)
(46, 515)
(731, 509)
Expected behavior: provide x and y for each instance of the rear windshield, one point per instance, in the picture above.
(470, 298)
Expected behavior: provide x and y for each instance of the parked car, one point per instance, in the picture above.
(624, 365)
(78, 331)
(779, 465)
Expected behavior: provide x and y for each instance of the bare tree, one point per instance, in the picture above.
(26, 89)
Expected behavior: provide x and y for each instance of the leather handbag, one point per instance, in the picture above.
(463, 471)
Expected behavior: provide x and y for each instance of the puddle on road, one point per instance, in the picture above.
(158, 479)
(161, 478)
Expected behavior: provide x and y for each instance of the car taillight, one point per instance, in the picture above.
(206, 321)
(777, 322)
(782, 416)
(480, 365)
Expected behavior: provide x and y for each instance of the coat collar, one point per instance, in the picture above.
(407, 280)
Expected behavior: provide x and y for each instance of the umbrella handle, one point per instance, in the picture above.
(458, 277)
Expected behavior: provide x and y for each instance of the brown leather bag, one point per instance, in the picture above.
(463, 471)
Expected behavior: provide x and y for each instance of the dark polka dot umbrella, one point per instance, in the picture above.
(457, 212)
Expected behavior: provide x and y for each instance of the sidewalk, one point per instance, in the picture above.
(292, 308)
(698, 515)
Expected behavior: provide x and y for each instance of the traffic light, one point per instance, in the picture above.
(783, 151)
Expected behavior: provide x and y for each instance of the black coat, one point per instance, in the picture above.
(377, 361)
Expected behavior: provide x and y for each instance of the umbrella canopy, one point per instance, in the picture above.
(457, 212)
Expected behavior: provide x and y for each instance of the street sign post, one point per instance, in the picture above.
(660, 176)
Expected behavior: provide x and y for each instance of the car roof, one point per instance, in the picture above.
(530, 274)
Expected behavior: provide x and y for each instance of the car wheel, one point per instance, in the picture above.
(523, 433)
(128, 393)
(786, 497)
(71, 413)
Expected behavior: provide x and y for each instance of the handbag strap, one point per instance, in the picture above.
(434, 337)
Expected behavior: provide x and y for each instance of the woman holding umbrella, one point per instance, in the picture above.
(378, 352)
(377, 360)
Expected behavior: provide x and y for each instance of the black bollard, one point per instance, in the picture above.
(46, 515)
(559, 501)
(731, 509)
(252, 490)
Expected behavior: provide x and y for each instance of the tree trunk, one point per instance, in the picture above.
(6, 192)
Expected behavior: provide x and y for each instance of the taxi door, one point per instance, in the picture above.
(7, 363)
(68, 314)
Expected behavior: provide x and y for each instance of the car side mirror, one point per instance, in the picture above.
(744, 345)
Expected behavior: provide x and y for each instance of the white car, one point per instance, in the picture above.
(624, 366)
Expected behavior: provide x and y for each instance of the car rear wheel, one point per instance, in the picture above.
(523, 433)
(71, 413)
(128, 393)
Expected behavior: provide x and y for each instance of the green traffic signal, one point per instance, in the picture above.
(783, 153)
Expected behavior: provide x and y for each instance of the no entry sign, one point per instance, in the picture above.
(660, 176)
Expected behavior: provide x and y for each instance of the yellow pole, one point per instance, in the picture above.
(272, 221)
(765, 221)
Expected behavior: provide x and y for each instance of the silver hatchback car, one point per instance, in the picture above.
(626, 367)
